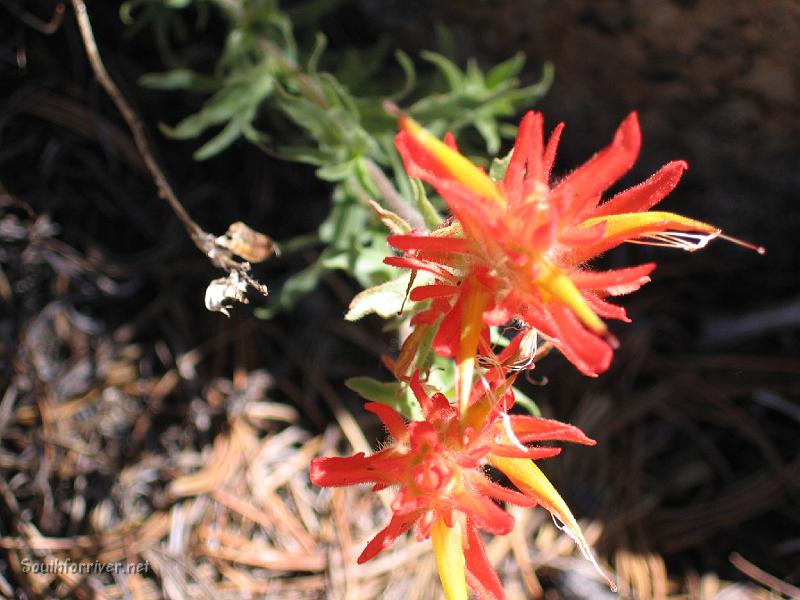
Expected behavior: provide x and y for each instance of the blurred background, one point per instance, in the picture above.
(136, 425)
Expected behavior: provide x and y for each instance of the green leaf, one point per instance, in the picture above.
(442, 374)
(254, 136)
(487, 127)
(384, 300)
(454, 77)
(427, 210)
(474, 76)
(525, 402)
(364, 177)
(410, 75)
(236, 104)
(505, 70)
(305, 154)
(222, 107)
(368, 267)
(394, 394)
(283, 24)
(338, 94)
(499, 166)
(320, 123)
(337, 172)
(320, 43)
(541, 87)
(179, 79)
(229, 134)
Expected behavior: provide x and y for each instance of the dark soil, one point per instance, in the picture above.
(698, 458)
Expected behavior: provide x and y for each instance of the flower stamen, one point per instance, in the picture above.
(682, 240)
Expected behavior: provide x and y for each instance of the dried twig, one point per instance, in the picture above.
(34, 22)
(764, 578)
(218, 249)
(165, 191)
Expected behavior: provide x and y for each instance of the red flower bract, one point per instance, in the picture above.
(437, 465)
(518, 247)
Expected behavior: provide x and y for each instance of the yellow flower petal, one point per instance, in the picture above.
(450, 559)
(665, 229)
(462, 169)
(477, 413)
(554, 282)
(524, 474)
(471, 326)
(619, 224)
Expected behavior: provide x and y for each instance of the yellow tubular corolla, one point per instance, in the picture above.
(460, 167)
(619, 224)
(472, 324)
(529, 478)
(449, 554)
(554, 282)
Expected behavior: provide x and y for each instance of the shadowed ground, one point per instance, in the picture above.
(135, 425)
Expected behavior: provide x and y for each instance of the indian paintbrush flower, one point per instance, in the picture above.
(518, 248)
(443, 492)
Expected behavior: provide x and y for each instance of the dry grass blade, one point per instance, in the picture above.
(231, 450)
(769, 581)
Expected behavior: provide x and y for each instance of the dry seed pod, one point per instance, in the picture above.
(247, 243)
(221, 291)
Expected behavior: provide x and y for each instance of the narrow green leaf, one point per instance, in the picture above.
(337, 172)
(525, 402)
(487, 127)
(426, 209)
(454, 77)
(179, 79)
(364, 177)
(320, 43)
(474, 76)
(505, 70)
(540, 88)
(393, 394)
(304, 154)
(222, 107)
(410, 73)
(338, 94)
(229, 134)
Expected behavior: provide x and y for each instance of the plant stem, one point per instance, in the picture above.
(203, 240)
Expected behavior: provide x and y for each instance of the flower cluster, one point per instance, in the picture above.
(520, 246)
(516, 250)
(443, 492)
